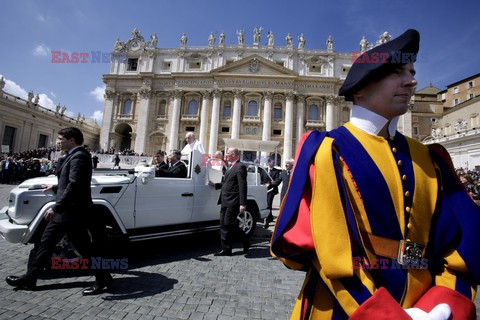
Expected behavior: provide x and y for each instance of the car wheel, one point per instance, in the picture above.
(247, 222)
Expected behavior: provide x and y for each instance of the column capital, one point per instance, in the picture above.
(300, 98)
(206, 94)
(109, 94)
(177, 94)
(267, 95)
(331, 99)
(145, 93)
(290, 96)
(217, 93)
(238, 93)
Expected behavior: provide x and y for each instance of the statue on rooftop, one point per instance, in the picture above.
(289, 40)
(183, 40)
(221, 41)
(301, 41)
(240, 37)
(211, 39)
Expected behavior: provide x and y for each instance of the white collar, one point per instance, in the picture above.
(371, 122)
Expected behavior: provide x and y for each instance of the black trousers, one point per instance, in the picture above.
(270, 196)
(229, 229)
(78, 234)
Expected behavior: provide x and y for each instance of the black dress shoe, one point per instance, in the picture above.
(266, 223)
(21, 282)
(98, 287)
(223, 253)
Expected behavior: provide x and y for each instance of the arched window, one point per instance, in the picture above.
(313, 112)
(277, 112)
(127, 106)
(227, 109)
(162, 108)
(252, 109)
(192, 108)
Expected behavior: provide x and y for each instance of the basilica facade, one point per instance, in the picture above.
(265, 91)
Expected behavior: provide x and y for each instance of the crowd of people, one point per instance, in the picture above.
(471, 182)
(17, 167)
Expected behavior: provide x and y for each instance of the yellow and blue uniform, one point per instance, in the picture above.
(347, 183)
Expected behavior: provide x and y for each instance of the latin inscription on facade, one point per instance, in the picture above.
(253, 83)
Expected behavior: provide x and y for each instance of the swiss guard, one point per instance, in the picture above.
(380, 222)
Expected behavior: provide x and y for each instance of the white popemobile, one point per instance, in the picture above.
(137, 205)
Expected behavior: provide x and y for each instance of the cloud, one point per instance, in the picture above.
(41, 50)
(53, 94)
(13, 88)
(98, 93)
(46, 102)
(41, 18)
(98, 116)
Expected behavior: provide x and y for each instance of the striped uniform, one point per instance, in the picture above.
(347, 183)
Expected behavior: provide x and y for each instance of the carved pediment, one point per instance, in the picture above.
(254, 65)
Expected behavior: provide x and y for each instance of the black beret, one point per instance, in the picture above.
(380, 61)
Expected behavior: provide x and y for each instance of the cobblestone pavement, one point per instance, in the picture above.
(175, 278)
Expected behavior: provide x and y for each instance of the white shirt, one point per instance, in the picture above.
(371, 122)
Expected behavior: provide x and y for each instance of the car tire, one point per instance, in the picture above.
(247, 222)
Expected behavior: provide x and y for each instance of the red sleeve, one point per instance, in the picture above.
(462, 308)
(380, 306)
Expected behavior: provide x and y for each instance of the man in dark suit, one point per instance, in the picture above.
(177, 169)
(95, 161)
(159, 162)
(71, 215)
(270, 176)
(285, 177)
(233, 200)
(8, 168)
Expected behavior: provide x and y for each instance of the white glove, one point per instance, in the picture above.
(440, 312)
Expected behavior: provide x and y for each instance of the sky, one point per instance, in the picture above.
(31, 29)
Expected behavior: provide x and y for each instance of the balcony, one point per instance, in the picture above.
(190, 118)
(125, 116)
(162, 117)
(251, 119)
(315, 124)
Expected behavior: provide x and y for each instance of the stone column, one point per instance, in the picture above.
(107, 119)
(300, 116)
(267, 123)
(143, 119)
(175, 120)
(212, 146)
(204, 117)
(329, 116)
(237, 105)
(288, 131)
